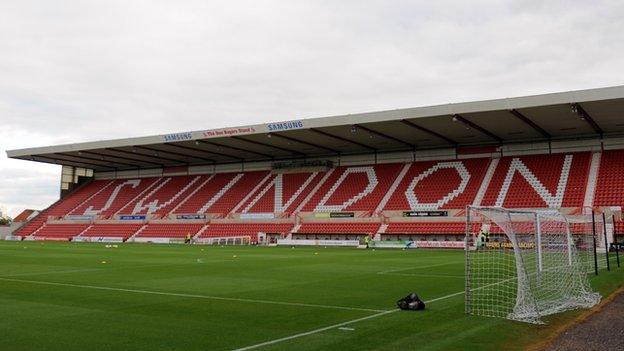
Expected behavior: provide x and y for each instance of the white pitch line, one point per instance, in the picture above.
(207, 297)
(339, 325)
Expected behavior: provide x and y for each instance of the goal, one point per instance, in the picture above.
(523, 265)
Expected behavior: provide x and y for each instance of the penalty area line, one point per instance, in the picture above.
(338, 325)
(206, 297)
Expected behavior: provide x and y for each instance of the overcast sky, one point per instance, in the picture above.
(79, 70)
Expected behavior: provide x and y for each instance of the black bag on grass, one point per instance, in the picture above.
(411, 302)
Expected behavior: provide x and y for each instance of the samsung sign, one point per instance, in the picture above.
(276, 127)
(178, 136)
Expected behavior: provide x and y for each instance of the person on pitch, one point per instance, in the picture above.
(483, 238)
(366, 241)
(409, 243)
(188, 238)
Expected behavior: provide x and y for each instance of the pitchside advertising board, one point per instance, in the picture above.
(132, 218)
(79, 217)
(334, 215)
(191, 216)
(307, 242)
(261, 215)
(425, 214)
(99, 239)
(159, 240)
(401, 244)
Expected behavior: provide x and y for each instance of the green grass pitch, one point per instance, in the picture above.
(64, 296)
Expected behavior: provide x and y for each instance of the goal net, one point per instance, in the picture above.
(523, 265)
(592, 232)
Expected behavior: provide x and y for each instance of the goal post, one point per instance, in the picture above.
(523, 265)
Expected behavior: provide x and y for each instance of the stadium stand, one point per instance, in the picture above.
(339, 228)
(245, 229)
(223, 193)
(282, 193)
(537, 181)
(388, 174)
(534, 181)
(359, 188)
(426, 228)
(59, 231)
(439, 185)
(167, 192)
(112, 230)
(610, 183)
(110, 197)
(61, 207)
(169, 230)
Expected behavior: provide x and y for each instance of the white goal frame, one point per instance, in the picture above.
(527, 267)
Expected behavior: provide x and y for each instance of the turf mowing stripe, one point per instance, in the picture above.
(207, 297)
(271, 342)
(426, 275)
(339, 325)
(420, 267)
(107, 269)
(276, 341)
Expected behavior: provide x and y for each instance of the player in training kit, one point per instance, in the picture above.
(483, 238)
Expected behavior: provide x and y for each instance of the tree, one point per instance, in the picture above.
(5, 220)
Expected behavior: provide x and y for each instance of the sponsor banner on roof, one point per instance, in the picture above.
(224, 132)
(178, 136)
(425, 213)
(281, 126)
